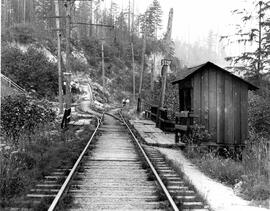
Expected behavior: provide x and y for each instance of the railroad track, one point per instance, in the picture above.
(116, 172)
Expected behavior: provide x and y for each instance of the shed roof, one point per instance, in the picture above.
(192, 70)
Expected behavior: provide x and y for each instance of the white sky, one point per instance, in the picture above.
(193, 19)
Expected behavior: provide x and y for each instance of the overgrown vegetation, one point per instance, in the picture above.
(22, 168)
(246, 170)
(32, 146)
(32, 70)
(22, 114)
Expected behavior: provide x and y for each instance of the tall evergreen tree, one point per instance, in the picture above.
(253, 64)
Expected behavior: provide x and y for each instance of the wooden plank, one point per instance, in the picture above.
(197, 96)
(220, 106)
(236, 110)
(244, 112)
(205, 99)
(213, 103)
(229, 120)
(181, 99)
(182, 114)
(181, 127)
(193, 115)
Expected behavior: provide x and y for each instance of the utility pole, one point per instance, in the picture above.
(102, 64)
(60, 90)
(166, 62)
(68, 67)
(132, 55)
(129, 17)
(24, 11)
(152, 76)
(141, 74)
(133, 72)
(91, 19)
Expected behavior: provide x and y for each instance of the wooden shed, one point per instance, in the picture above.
(219, 99)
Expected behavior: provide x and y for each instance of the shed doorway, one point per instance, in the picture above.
(185, 103)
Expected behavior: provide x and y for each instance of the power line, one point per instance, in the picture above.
(93, 24)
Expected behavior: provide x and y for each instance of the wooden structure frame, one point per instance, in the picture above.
(219, 99)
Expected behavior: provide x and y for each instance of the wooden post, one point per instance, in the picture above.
(132, 54)
(24, 11)
(163, 88)
(152, 75)
(129, 18)
(5, 14)
(102, 64)
(268, 161)
(60, 90)
(166, 62)
(68, 67)
(91, 19)
(141, 74)
(133, 73)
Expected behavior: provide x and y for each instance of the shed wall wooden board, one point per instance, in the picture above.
(180, 97)
(212, 103)
(220, 107)
(244, 112)
(237, 111)
(229, 120)
(197, 96)
(221, 102)
(205, 92)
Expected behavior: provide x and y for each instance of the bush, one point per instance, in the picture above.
(32, 71)
(255, 161)
(224, 170)
(21, 33)
(20, 169)
(255, 187)
(21, 113)
(259, 114)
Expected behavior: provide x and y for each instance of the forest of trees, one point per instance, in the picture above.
(209, 49)
(254, 34)
(127, 37)
(33, 21)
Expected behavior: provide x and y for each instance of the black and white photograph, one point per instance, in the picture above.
(135, 105)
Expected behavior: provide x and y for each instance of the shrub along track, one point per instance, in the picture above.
(116, 172)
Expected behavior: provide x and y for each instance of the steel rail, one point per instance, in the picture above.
(64, 187)
(18, 88)
(165, 190)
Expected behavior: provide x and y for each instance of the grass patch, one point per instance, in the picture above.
(248, 176)
(226, 170)
(37, 155)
